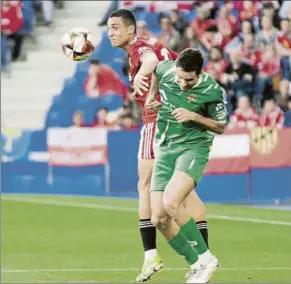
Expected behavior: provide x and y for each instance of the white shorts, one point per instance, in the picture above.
(146, 143)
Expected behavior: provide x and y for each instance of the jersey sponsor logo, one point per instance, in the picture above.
(191, 98)
(264, 139)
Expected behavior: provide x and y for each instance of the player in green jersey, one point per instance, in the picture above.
(192, 108)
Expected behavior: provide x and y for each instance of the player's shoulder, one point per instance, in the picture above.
(211, 88)
(165, 69)
(142, 44)
(143, 41)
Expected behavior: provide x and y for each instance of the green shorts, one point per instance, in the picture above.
(191, 161)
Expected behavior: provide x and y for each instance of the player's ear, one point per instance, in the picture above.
(131, 29)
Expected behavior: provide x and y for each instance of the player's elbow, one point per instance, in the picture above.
(220, 128)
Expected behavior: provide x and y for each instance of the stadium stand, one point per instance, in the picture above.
(266, 80)
(47, 91)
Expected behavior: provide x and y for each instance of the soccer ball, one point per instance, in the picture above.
(77, 44)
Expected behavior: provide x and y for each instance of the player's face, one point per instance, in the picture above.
(186, 80)
(119, 34)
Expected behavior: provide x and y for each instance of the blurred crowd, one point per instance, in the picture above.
(246, 46)
(18, 20)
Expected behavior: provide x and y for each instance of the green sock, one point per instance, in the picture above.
(182, 246)
(192, 233)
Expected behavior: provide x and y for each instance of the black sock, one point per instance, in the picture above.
(203, 228)
(148, 234)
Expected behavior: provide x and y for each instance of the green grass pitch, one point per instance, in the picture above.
(81, 239)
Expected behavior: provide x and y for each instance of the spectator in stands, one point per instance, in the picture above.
(142, 29)
(11, 23)
(249, 11)
(272, 115)
(284, 35)
(97, 83)
(178, 22)
(103, 120)
(287, 122)
(216, 65)
(244, 116)
(247, 28)
(238, 76)
(249, 53)
(201, 22)
(227, 25)
(269, 11)
(268, 34)
(190, 40)
(169, 36)
(285, 9)
(127, 122)
(269, 71)
(212, 37)
(47, 11)
(78, 119)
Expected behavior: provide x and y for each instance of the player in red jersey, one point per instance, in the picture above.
(144, 54)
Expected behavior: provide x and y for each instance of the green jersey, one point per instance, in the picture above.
(205, 98)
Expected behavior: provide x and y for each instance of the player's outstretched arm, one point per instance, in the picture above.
(184, 115)
(151, 102)
(149, 63)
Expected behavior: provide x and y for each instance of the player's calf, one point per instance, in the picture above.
(147, 229)
(197, 210)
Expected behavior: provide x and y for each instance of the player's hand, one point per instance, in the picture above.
(140, 84)
(152, 104)
(183, 115)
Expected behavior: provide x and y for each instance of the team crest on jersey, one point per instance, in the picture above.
(191, 98)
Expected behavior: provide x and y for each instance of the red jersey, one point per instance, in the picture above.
(284, 40)
(251, 57)
(275, 118)
(271, 67)
(216, 69)
(106, 86)
(136, 50)
(11, 17)
(248, 119)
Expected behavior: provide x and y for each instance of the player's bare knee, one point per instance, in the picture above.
(160, 222)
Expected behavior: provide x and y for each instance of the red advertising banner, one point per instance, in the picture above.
(239, 151)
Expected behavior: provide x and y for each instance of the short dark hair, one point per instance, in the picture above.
(95, 62)
(126, 15)
(190, 60)
(268, 5)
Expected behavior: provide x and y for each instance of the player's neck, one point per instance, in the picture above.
(130, 41)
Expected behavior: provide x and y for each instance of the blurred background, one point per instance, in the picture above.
(72, 128)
